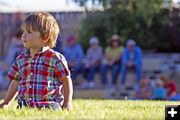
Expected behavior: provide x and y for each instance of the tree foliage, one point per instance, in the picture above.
(147, 21)
(84, 2)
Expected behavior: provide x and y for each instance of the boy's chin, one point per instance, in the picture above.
(25, 46)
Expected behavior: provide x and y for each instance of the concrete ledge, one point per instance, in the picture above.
(91, 93)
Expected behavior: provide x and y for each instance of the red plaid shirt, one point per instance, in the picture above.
(39, 76)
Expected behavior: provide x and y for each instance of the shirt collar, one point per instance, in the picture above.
(27, 51)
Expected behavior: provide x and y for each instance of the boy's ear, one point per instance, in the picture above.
(45, 38)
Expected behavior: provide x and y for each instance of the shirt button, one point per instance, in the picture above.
(32, 61)
(31, 73)
(30, 86)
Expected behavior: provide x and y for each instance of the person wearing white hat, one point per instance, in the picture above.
(131, 59)
(93, 41)
(92, 60)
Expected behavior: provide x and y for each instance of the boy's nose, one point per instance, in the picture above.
(23, 36)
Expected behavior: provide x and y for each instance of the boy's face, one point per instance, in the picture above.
(32, 39)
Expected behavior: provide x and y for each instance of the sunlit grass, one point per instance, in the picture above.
(94, 109)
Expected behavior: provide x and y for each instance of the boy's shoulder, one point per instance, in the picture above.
(54, 54)
(23, 53)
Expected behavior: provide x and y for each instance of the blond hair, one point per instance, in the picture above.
(45, 24)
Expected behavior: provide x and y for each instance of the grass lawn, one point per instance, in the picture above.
(94, 109)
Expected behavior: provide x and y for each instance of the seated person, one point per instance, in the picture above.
(74, 55)
(159, 92)
(15, 48)
(143, 89)
(131, 59)
(112, 60)
(92, 60)
(169, 85)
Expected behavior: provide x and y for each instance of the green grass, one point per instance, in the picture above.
(94, 109)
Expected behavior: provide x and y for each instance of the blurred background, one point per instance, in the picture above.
(116, 49)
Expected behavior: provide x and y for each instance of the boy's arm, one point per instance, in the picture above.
(11, 94)
(67, 91)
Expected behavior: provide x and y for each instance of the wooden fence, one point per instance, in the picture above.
(10, 22)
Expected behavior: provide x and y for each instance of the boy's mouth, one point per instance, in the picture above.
(24, 40)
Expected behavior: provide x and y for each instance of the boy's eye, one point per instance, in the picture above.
(29, 31)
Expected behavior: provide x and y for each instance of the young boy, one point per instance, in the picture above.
(39, 73)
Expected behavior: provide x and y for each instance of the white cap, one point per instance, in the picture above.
(93, 40)
(130, 42)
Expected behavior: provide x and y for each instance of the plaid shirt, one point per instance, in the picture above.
(39, 76)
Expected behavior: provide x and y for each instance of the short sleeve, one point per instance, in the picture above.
(13, 72)
(61, 67)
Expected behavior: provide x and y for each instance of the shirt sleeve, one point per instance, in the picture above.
(61, 67)
(173, 87)
(80, 54)
(138, 56)
(13, 72)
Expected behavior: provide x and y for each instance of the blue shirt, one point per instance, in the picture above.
(159, 92)
(74, 53)
(135, 55)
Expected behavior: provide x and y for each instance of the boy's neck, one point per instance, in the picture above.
(34, 51)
